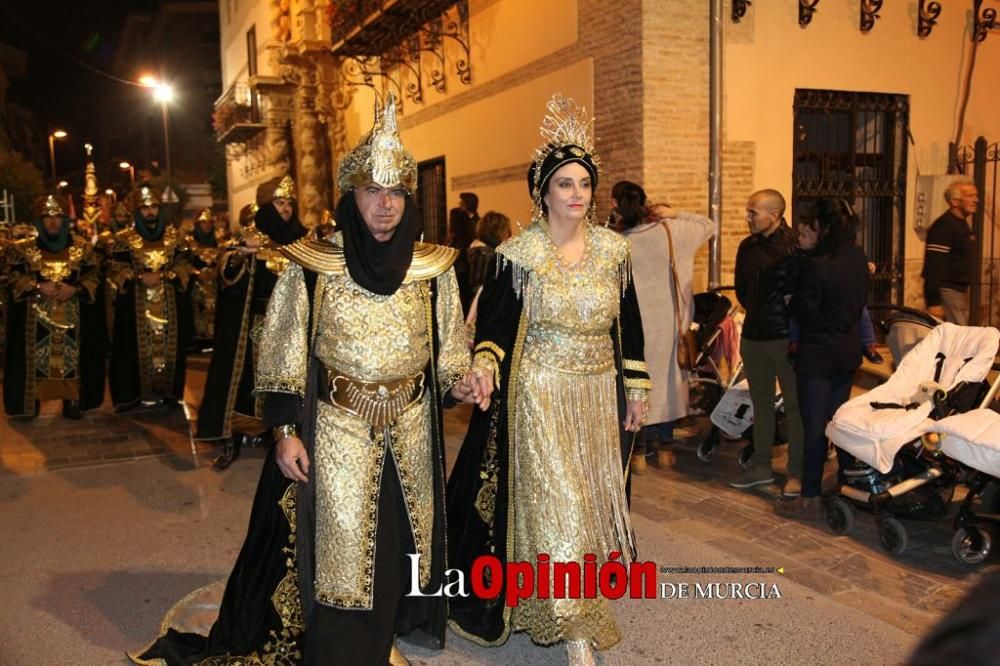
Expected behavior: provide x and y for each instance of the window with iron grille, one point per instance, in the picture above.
(432, 199)
(852, 145)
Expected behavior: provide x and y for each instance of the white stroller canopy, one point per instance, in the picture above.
(966, 354)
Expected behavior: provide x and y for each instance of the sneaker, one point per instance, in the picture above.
(872, 355)
(753, 476)
(792, 487)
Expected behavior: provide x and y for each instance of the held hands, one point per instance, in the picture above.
(292, 459)
(249, 247)
(49, 289)
(475, 388)
(151, 279)
(635, 415)
(64, 292)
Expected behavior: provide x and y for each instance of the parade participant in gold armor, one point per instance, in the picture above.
(52, 333)
(559, 334)
(150, 269)
(203, 243)
(363, 343)
(229, 411)
(121, 218)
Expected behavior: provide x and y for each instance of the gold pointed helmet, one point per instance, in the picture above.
(206, 216)
(380, 157)
(282, 187)
(145, 195)
(50, 205)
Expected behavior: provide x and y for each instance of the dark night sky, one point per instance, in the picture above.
(57, 89)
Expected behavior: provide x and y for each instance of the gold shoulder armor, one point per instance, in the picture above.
(316, 255)
(430, 260)
(323, 256)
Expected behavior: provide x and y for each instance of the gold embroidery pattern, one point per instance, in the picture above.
(351, 319)
(637, 366)
(348, 466)
(453, 356)
(284, 339)
(486, 345)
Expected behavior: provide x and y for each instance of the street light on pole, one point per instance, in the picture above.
(58, 134)
(164, 94)
(127, 166)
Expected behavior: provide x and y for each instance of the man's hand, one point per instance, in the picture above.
(936, 311)
(293, 461)
(248, 248)
(475, 388)
(151, 279)
(64, 292)
(48, 289)
(635, 414)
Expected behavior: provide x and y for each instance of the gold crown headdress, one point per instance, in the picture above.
(379, 157)
(285, 189)
(206, 216)
(567, 135)
(50, 206)
(121, 208)
(146, 196)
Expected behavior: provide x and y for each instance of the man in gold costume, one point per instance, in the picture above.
(150, 270)
(363, 344)
(121, 218)
(229, 411)
(203, 243)
(53, 341)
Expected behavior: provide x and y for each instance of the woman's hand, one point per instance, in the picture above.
(292, 459)
(635, 415)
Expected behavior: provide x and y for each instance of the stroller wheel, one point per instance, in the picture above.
(708, 446)
(964, 548)
(839, 515)
(892, 535)
(744, 456)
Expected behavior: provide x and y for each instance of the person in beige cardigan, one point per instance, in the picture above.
(645, 226)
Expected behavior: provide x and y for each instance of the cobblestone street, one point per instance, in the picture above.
(109, 521)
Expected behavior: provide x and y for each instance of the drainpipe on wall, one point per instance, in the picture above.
(715, 142)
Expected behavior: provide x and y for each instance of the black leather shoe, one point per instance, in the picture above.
(230, 452)
(71, 410)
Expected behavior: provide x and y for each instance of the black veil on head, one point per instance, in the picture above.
(377, 266)
(151, 231)
(268, 221)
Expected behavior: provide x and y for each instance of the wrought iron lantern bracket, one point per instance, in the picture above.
(869, 13)
(928, 12)
(740, 9)
(806, 10)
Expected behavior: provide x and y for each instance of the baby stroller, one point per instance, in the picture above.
(706, 383)
(972, 440)
(726, 401)
(901, 326)
(899, 472)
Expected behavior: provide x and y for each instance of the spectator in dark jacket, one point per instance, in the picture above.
(832, 292)
(491, 230)
(761, 261)
(461, 232)
(948, 256)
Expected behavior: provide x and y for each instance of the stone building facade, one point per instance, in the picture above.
(641, 66)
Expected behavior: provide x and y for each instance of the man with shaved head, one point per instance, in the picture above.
(949, 254)
(761, 262)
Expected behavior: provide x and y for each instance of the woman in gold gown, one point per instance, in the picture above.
(544, 469)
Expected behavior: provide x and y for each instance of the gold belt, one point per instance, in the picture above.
(378, 403)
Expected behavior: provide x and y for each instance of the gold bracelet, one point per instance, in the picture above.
(283, 431)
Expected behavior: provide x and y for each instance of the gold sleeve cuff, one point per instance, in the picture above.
(636, 383)
(486, 345)
(636, 395)
(638, 366)
(486, 361)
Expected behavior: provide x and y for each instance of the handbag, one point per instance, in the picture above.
(687, 340)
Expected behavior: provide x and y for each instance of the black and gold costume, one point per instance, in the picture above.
(152, 324)
(53, 349)
(205, 254)
(121, 218)
(544, 470)
(230, 410)
(359, 349)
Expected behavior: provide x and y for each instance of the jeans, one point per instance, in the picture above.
(819, 399)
